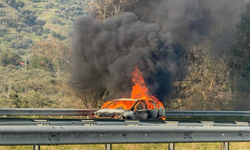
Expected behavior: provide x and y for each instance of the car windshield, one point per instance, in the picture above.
(120, 104)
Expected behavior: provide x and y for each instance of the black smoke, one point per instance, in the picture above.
(190, 21)
(105, 54)
(153, 34)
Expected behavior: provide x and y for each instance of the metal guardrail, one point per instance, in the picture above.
(56, 135)
(36, 132)
(102, 122)
(53, 112)
(209, 113)
(21, 131)
(86, 112)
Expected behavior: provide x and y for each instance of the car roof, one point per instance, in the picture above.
(127, 99)
(131, 99)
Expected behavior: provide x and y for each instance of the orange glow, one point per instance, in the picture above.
(116, 104)
(139, 91)
(105, 104)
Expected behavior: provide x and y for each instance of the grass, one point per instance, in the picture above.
(178, 146)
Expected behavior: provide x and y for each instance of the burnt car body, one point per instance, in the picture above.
(131, 109)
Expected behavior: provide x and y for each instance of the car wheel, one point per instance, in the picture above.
(121, 118)
(129, 118)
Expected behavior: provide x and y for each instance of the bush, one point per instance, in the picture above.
(47, 31)
(42, 63)
(24, 44)
(20, 4)
(10, 58)
(2, 13)
(41, 22)
(57, 35)
(36, 1)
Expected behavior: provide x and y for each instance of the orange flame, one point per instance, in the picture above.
(140, 91)
(125, 104)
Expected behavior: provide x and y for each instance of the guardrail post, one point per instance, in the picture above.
(36, 147)
(171, 146)
(108, 146)
(226, 146)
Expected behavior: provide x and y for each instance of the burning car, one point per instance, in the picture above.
(141, 105)
(131, 109)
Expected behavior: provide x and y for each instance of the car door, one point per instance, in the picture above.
(161, 110)
(153, 111)
(141, 111)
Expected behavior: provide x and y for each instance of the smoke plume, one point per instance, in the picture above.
(151, 35)
(190, 21)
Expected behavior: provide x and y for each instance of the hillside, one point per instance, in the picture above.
(23, 22)
(28, 31)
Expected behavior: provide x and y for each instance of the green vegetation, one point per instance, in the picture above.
(35, 53)
(23, 22)
(9, 58)
(36, 63)
(42, 63)
(34, 88)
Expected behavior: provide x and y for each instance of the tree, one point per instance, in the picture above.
(20, 4)
(42, 63)
(208, 84)
(59, 52)
(108, 8)
(242, 51)
(9, 58)
(90, 98)
(240, 63)
(212, 90)
(41, 22)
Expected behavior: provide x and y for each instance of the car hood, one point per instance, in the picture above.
(110, 112)
(113, 113)
(118, 111)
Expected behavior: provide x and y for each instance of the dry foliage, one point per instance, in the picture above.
(108, 8)
(207, 85)
(58, 51)
(89, 98)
